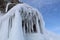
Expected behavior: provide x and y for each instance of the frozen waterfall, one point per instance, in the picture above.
(23, 22)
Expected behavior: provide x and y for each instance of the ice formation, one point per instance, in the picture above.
(23, 22)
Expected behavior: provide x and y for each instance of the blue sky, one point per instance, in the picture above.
(50, 10)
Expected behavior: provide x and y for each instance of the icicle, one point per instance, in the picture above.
(27, 26)
(24, 28)
(9, 26)
(40, 26)
(23, 25)
(38, 30)
(32, 27)
(37, 26)
(0, 24)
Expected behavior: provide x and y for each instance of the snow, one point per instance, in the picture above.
(12, 30)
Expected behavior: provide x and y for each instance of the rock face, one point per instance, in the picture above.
(23, 22)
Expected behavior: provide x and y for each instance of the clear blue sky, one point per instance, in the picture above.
(50, 10)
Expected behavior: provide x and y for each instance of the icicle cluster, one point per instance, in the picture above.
(30, 17)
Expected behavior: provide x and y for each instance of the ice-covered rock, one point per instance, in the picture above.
(23, 22)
